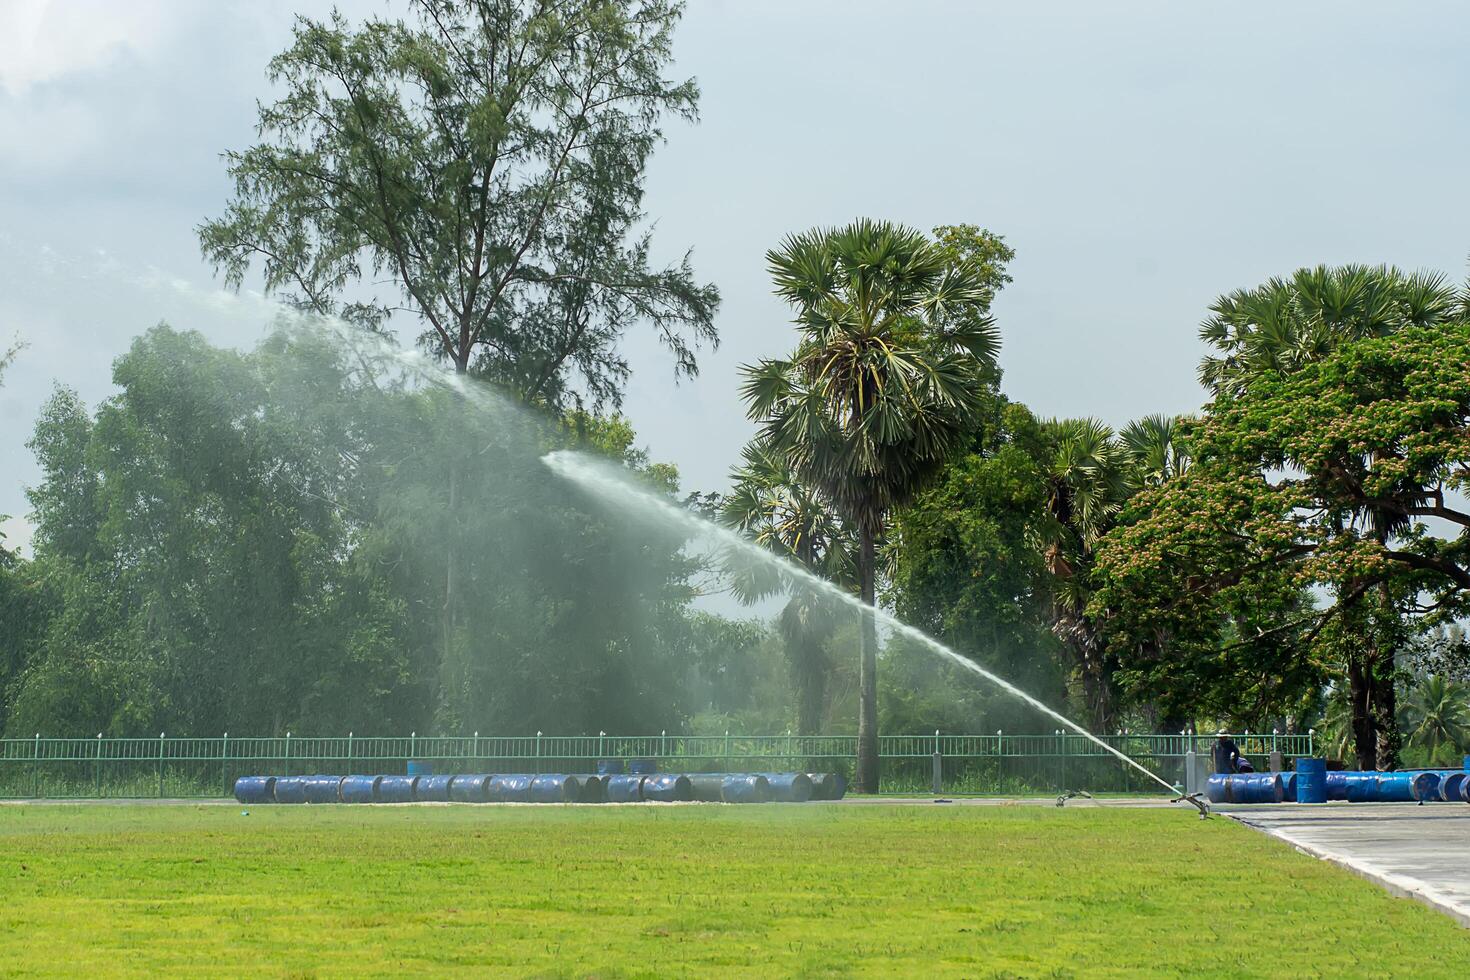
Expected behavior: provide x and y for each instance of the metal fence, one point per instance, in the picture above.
(1002, 764)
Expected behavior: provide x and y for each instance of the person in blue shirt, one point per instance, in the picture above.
(1227, 755)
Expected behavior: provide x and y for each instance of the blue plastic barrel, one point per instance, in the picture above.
(1424, 786)
(256, 789)
(594, 788)
(789, 787)
(290, 789)
(624, 789)
(323, 789)
(360, 789)
(1395, 787)
(509, 789)
(1466, 763)
(432, 789)
(746, 788)
(1260, 787)
(417, 767)
(555, 789)
(707, 787)
(396, 789)
(642, 767)
(667, 788)
(609, 767)
(1310, 782)
(1288, 787)
(1346, 785)
(1465, 789)
(470, 788)
(839, 786)
(1264, 787)
(1449, 786)
(1363, 788)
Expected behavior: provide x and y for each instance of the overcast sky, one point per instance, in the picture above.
(1140, 157)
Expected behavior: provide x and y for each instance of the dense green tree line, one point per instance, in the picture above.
(252, 542)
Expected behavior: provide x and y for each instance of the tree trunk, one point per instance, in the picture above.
(1384, 711)
(811, 683)
(806, 653)
(450, 559)
(1360, 695)
(811, 687)
(1097, 681)
(451, 551)
(1093, 670)
(867, 759)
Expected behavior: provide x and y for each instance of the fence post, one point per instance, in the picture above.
(999, 759)
(349, 752)
(1063, 788)
(287, 760)
(663, 744)
(160, 765)
(727, 750)
(413, 748)
(224, 763)
(538, 752)
(1311, 749)
(98, 766)
(938, 766)
(36, 768)
(475, 759)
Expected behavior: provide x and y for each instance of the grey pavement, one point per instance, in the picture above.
(1419, 852)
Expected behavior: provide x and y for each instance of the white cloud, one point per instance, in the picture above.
(45, 40)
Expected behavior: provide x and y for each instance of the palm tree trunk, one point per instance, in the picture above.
(811, 686)
(807, 659)
(867, 758)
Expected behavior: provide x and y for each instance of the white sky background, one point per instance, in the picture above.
(1141, 158)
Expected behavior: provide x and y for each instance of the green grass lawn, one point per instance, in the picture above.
(691, 890)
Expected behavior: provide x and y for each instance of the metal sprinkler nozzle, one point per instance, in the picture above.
(1195, 799)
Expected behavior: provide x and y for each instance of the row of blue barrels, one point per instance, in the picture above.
(787, 787)
(1305, 786)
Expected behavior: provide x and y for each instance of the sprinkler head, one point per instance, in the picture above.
(1197, 800)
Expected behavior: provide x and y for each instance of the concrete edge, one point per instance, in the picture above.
(1400, 886)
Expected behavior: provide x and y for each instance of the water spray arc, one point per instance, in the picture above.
(611, 484)
(377, 354)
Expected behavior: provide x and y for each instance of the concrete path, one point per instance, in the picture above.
(1419, 852)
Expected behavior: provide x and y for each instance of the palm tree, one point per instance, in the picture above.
(1335, 738)
(894, 348)
(1438, 718)
(1154, 449)
(787, 518)
(1088, 481)
(1091, 475)
(1287, 323)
